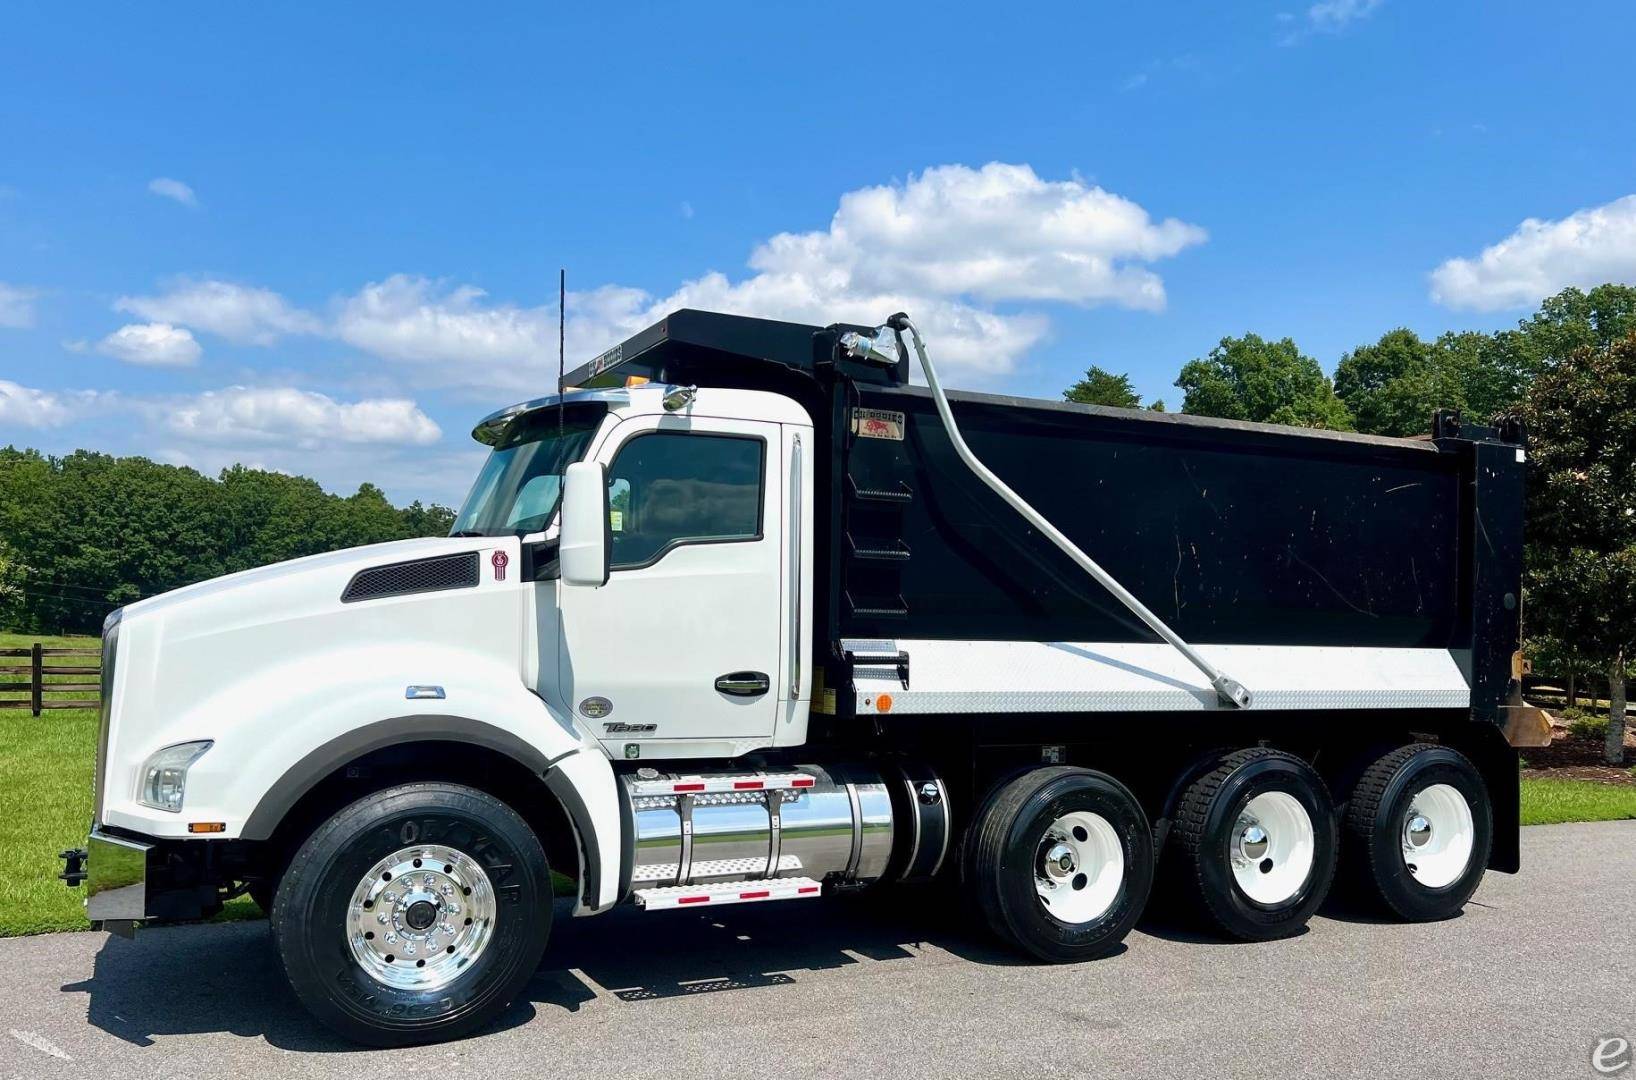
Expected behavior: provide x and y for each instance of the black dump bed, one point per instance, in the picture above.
(1233, 533)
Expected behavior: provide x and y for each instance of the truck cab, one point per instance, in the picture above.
(709, 548)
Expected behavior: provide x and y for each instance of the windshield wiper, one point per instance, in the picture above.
(462, 533)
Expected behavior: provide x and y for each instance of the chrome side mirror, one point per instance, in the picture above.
(583, 541)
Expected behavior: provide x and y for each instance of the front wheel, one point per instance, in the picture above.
(416, 914)
(1060, 862)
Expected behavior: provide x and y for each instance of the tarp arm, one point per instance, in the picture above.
(1231, 692)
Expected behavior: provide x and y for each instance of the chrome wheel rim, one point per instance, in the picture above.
(421, 917)
(1272, 848)
(1438, 835)
(1080, 867)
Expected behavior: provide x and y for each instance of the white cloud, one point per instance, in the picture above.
(415, 319)
(949, 245)
(155, 344)
(1585, 248)
(286, 415)
(31, 408)
(972, 253)
(17, 306)
(166, 188)
(1332, 16)
(239, 313)
(1325, 17)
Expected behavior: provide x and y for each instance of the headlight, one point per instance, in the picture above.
(164, 775)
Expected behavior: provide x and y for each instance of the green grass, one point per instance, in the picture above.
(45, 806)
(1552, 802)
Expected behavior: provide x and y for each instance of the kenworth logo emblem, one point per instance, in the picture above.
(500, 561)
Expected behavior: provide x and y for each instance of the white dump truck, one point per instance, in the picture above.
(746, 616)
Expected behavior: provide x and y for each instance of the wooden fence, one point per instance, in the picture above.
(81, 689)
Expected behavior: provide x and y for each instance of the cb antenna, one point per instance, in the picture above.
(562, 324)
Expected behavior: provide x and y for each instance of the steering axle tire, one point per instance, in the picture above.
(414, 915)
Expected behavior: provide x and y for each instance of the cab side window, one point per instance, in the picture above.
(669, 488)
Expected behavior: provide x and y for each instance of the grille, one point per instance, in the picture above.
(110, 655)
(421, 575)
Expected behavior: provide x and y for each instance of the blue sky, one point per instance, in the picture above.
(325, 239)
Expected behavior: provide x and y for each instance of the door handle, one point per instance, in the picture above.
(744, 683)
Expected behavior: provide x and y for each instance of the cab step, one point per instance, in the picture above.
(726, 892)
(737, 869)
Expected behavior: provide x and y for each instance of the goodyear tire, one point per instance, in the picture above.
(416, 914)
(1418, 831)
(1060, 863)
(1252, 850)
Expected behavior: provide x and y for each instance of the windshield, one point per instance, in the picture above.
(517, 490)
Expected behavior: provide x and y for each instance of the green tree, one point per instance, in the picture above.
(87, 532)
(1389, 386)
(1393, 386)
(1581, 559)
(1102, 387)
(433, 519)
(1572, 320)
(1250, 378)
(1558, 659)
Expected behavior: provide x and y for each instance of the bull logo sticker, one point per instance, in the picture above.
(877, 424)
(500, 560)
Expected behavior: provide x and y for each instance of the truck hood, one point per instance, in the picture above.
(339, 565)
(270, 663)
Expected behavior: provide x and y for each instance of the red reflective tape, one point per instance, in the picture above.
(804, 781)
(688, 787)
(807, 889)
(762, 895)
(746, 785)
(694, 900)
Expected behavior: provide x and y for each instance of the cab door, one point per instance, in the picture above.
(682, 644)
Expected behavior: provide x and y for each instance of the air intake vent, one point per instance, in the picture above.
(421, 575)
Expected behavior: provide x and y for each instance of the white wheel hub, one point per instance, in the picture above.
(1438, 835)
(420, 917)
(1272, 847)
(1080, 867)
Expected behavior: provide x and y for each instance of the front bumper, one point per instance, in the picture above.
(129, 880)
(116, 878)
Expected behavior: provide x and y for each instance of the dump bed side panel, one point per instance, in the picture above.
(1232, 535)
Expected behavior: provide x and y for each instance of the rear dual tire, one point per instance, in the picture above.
(1059, 862)
(1418, 831)
(1252, 848)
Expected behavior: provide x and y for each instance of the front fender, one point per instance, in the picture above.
(281, 728)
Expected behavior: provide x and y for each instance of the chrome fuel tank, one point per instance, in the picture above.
(840, 825)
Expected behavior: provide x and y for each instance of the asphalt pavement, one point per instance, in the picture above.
(1524, 984)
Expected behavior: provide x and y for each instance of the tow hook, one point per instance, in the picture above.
(73, 873)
